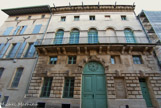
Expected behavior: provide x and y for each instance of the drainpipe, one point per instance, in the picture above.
(35, 63)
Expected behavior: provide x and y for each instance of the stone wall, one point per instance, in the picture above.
(126, 69)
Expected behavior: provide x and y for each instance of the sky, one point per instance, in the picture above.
(153, 5)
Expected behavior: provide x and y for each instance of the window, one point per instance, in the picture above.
(107, 17)
(31, 50)
(68, 88)
(21, 49)
(72, 59)
(16, 78)
(7, 31)
(37, 29)
(42, 16)
(63, 18)
(129, 36)
(74, 36)
(4, 50)
(123, 17)
(40, 105)
(91, 18)
(1, 46)
(65, 105)
(76, 18)
(20, 30)
(92, 36)
(53, 60)
(137, 60)
(29, 17)
(1, 71)
(46, 87)
(59, 37)
(4, 101)
(16, 18)
(115, 59)
(13, 50)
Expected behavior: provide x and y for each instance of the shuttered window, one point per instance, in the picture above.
(31, 50)
(17, 77)
(1, 46)
(20, 30)
(37, 29)
(4, 50)
(13, 50)
(7, 31)
(20, 51)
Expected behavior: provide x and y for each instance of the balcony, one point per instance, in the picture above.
(99, 40)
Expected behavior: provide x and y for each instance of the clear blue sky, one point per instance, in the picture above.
(140, 4)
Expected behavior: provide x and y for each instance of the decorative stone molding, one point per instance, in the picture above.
(92, 58)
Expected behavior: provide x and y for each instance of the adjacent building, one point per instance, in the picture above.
(95, 56)
(18, 36)
(151, 22)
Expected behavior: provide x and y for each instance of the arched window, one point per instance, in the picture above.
(74, 37)
(92, 36)
(129, 36)
(59, 37)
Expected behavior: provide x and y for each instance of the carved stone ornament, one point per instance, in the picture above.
(92, 66)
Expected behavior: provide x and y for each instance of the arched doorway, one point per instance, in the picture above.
(94, 86)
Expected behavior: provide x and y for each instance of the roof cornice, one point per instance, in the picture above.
(93, 8)
(27, 10)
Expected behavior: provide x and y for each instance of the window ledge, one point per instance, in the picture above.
(12, 89)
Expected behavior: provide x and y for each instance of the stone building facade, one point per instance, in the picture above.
(95, 57)
(17, 53)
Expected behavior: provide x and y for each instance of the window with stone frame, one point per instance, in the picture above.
(17, 78)
(72, 59)
(137, 59)
(115, 59)
(63, 18)
(68, 87)
(123, 17)
(76, 18)
(40, 105)
(45, 92)
(53, 60)
(91, 18)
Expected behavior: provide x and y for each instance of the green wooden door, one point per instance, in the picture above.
(145, 93)
(94, 86)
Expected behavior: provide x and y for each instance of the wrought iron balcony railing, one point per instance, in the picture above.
(91, 40)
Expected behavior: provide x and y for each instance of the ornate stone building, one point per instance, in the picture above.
(95, 56)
